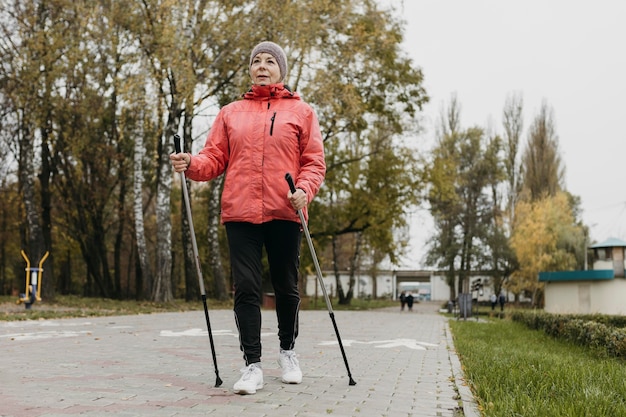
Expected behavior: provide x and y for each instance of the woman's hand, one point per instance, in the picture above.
(298, 199)
(180, 161)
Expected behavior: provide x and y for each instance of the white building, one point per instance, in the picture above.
(424, 285)
(601, 290)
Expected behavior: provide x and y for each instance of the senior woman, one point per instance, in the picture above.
(256, 140)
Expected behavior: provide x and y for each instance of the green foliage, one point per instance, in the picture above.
(465, 169)
(543, 171)
(604, 334)
(85, 78)
(364, 105)
(81, 80)
(11, 263)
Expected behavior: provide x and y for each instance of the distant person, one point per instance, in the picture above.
(502, 300)
(409, 301)
(494, 300)
(402, 300)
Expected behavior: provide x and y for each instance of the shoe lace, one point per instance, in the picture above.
(248, 371)
(290, 360)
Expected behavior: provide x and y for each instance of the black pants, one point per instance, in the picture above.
(282, 244)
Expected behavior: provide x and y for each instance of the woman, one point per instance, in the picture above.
(256, 141)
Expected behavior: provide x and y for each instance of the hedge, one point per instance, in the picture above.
(602, 333)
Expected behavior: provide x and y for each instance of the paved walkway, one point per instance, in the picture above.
(403, 363)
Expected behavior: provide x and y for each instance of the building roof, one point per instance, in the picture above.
(590, 275)
(610, 243)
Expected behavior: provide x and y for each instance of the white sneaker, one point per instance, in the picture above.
(250, 381)
(291, 368)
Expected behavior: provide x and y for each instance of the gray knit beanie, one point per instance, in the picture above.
(275, 51)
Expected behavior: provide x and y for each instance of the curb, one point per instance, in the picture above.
(470, 407)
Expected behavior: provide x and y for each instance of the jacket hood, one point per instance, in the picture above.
(261, 92)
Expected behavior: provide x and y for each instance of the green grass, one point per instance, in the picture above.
(514, 372)
(73, 306)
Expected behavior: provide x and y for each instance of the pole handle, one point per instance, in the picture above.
(289, 179)
(178, 143)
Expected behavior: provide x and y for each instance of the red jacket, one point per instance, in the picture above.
(257, 141)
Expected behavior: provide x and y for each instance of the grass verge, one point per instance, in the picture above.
(514, 372)
(73, 306)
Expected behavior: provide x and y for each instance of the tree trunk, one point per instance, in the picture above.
(47, 280)
(451, 279)
(119, 236)
(98, 278)
(374, 275)
(189, 263)
(215, 251)
(354, 266)
(144, 275)
(162, 291)
(192, 288)
(163, 280)
(35, 242)
(340, 294)
(98, 252)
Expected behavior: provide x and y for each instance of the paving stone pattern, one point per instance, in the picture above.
(160, 365)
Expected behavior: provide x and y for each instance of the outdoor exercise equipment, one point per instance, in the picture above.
(32, 290)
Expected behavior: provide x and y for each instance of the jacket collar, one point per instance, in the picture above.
(261, 92)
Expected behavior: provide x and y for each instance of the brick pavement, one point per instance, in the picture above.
(157, 365)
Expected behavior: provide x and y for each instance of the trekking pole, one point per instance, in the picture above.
(194, 245)
(292, 187)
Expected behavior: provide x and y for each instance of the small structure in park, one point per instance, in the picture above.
(32, 290)
(601, 290)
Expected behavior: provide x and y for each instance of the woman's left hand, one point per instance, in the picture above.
(298, 199)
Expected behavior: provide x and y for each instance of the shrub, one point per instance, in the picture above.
(602, 333)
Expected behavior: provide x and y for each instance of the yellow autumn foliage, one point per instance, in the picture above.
(539, 227)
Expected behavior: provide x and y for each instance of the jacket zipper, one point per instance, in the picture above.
(272, 126)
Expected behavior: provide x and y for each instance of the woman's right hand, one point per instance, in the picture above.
(180, 161)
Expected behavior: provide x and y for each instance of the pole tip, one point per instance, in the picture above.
(351, 382)
(218, 382)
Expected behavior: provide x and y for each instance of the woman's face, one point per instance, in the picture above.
(264, 69)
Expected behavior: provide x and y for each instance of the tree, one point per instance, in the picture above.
(513, 123)
(222, 291)
(499, 257)
(29, 50)
(9, 232)
(540, 229)
(364, 105)
(462, 176)
(192, 57)
(543, 172)
(87, 84)
(444, 202)
(144, 270)
(546, 231)
(90, 154)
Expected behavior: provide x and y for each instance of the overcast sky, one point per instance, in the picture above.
(570, 54)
